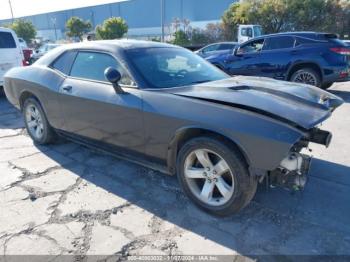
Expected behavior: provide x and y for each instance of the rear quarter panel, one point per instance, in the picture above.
(42, 82)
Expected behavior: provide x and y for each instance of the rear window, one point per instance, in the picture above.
(280, 42)
(6, 40)
(64, 62)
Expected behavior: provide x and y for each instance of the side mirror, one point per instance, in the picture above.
(114, 76)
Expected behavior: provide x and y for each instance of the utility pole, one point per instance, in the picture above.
(53, 20)
(13, 19)
(162, 18)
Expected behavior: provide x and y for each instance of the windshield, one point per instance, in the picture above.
(257, 31)
(172, 67)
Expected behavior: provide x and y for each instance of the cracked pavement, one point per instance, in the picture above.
(65, 199)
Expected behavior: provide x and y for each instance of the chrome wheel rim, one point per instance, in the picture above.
(209, 177)
(34, 121)
(306, 78)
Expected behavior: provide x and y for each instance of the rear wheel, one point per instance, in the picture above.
(36, 122)
(215, 176)
(306, 76)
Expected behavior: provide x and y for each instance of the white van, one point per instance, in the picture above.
(11, 54)
(246, 32)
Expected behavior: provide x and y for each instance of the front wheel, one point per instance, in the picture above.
(306, 76)
(215, 176)
(36, 122)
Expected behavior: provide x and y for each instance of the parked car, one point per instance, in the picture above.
(169, 109)
(10, 52)
(27, 52)
(42, 51)
(217, 49)
(317, 59)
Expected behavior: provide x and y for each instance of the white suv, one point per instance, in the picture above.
(11, 54)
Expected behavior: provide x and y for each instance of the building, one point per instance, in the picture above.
(143, 16)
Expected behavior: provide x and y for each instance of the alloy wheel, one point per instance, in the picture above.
(306, 78)
(34, 121)
(209, 177)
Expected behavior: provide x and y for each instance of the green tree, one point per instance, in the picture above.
(24, 29)
(77, 27)
(112, 28)
(181, 38)
(286, 15)
(199, 37)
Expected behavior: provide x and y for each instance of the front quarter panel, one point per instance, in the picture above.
(264, 141)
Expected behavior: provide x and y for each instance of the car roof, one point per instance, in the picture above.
(233, 43)
(112, 45)
(109, 46)
(306, 34)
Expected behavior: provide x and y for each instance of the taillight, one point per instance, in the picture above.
(341, 50)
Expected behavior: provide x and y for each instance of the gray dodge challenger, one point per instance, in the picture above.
(166, 108)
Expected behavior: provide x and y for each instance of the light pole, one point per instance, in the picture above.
(13, 19)
(53, 20)
(162, 18)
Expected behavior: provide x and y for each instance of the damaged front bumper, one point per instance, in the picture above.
(292, 172)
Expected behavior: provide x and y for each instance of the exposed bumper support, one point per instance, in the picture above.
(292, 172)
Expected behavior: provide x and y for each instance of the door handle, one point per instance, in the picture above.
(67, 88)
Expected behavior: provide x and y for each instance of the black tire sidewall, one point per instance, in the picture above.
(310, 71)
(243, 183)
(47, 132)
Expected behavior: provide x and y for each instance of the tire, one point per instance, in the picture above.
(34, 119)
(326, 86)
(240, 186)
(306, 76)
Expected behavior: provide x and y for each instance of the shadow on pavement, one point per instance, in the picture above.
(315, 221)
(10, 117)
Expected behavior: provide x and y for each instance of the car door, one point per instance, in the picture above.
(276, 56)
(93, 110)
(246, 60)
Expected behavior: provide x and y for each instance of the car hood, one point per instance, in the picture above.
(296, 104)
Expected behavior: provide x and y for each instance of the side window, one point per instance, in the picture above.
(280, 42)
(6, 40)
(303, 41)
(91, 65)
(251, 47)
(64, 62)
(226, 47)
(247, 32)
(210, 48)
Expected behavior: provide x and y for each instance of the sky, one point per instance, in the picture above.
(31, 7)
